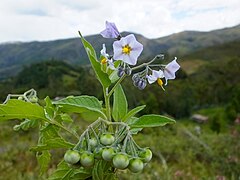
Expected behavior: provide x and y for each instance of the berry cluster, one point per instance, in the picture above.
(111, 142)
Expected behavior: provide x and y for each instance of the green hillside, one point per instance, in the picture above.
(189, 41)
(13, 56)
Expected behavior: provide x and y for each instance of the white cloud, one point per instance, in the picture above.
(27, 20)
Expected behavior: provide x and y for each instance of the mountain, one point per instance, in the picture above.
(14, 56)
(187, 42)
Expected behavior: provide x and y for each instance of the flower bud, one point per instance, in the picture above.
(128, 71)
(142, 83)
(120, 72)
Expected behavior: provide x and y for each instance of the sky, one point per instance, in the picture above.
(42, 20)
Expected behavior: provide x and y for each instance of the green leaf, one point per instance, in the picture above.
(101, 76)
(152, 120)
(18, 109)
(120, 105)
(133, 112)
(114, 76)
(66, 117)
(50, 139)
(43, 159)
(53, 143)
(65, 172)
(101, 171)
(132, 120)
(49, 108)
(80, 104)
(26, 124)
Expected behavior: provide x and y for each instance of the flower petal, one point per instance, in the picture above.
(111, 31)
(170, 70)
(136, 49)
(151, 79)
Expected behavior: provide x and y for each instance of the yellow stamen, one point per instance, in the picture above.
(104, 61)
(126, 49)
(160, 82)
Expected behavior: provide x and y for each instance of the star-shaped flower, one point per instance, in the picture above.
(170, 70)
(127, 49)
(111, 31)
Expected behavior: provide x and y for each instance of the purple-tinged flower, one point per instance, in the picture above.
(154, 76)
(127, 49)
(170, 70)
(111, 31)
(106, 58)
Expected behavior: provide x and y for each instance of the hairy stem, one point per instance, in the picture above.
(117, 83)
(107, 103)
(146, 64)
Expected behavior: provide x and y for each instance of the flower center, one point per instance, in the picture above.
(104, 61)
(160, 82)
(126, 49)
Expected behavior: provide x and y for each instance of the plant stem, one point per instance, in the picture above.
(117, 83)
(146, 64)
(107, 103)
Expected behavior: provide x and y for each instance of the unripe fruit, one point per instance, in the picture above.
(107, 139)
(135, 165)
(107, 154)
(72, 157)
(98, 153)
(93, 142)
(146, 155)
(87, 159)
(120, 161)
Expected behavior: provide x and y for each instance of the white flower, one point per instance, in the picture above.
(154, 76)
(127, 49)
(106, 58)
(170, 70)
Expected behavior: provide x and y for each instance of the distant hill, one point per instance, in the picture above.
(13, 56)
(186, 42)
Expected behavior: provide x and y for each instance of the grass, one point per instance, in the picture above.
(186, 150)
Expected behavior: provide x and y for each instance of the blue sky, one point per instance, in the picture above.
(28, 20)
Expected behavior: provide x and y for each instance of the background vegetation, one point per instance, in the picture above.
(207, 84)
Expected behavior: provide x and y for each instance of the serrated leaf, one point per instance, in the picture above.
(133, 112)
(101, 76)
(18, 109)
(120, 105)
(80, 104)
(26, 124)
(43, 160)
(152, 120)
